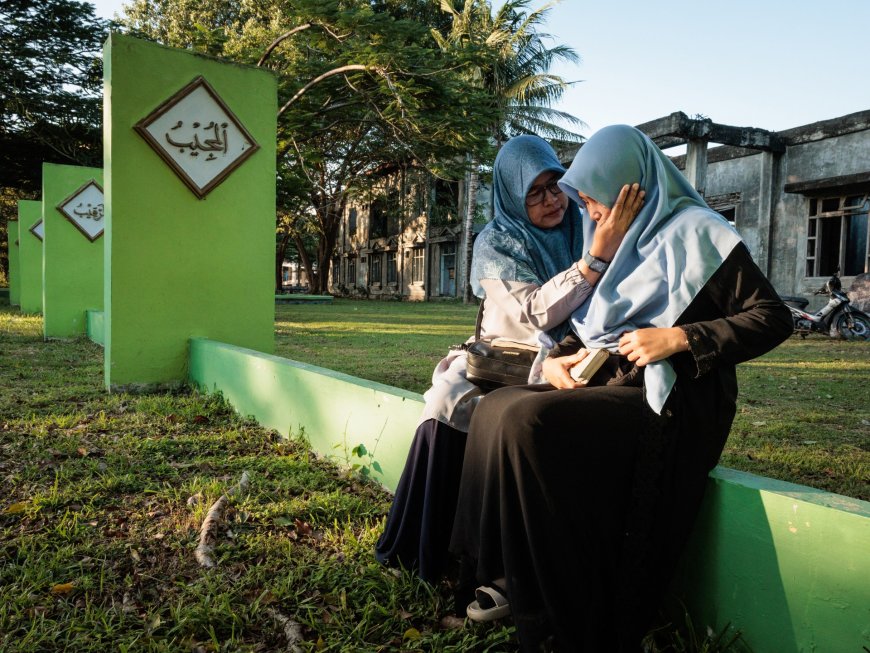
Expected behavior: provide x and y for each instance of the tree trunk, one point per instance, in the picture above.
(280, 253)
(331, 224)
(468, 231)
(306, 260)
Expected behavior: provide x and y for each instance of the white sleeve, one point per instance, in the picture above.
(529, 306)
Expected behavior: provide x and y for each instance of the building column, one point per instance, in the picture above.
(766, 179)
(696, 165)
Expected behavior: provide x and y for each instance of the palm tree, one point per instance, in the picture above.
(513, 66)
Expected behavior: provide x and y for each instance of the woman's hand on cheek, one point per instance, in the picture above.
(611, 229)
(556, 370)
(646, 346)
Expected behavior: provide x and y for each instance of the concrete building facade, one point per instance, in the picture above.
(800, 199)
(403, 241)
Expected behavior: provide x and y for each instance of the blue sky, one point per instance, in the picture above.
(773, 64)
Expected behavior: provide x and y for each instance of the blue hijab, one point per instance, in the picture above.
(671, 250)
(510, 247)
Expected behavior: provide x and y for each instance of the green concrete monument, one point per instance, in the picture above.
(30, 237)
(72, 207)
(14, 269)
(189, 165)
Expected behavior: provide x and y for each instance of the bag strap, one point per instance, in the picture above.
(479, 320)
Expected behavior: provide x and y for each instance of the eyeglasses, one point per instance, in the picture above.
(537, 194)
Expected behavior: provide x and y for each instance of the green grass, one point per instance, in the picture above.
(397, 343)
(97, 535)
(803, 414)
(94, 492)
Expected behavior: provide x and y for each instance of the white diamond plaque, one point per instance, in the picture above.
(84, 208)
(38, 229)
(198, 135)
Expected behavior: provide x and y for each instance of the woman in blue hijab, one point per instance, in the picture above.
(581, 496)
(527, 269)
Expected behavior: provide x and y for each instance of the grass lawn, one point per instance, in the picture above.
(803, 413)
(102, 496)
(101, 501)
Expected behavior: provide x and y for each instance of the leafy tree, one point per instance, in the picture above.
(362, 85)
(50, 92)
(513, 71)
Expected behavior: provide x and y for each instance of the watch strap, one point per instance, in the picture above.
(596, 264)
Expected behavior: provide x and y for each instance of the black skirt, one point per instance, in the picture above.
(545, 495)
(420, 521)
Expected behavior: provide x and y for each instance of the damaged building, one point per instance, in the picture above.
(799, 198)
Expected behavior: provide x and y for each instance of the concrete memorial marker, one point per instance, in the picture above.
(84, 208)
(30, 255)
(12, 234)
(198, 136)
(189, 164)
(73, 268)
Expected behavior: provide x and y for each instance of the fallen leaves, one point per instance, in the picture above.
(62, 589)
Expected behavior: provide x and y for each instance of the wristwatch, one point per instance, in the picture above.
(596, 264)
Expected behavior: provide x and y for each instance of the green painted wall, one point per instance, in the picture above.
(73, 268)
(177, 266)
(785, 564)
(96, 327)
(29, 257)
(14, 270)
(336, 411)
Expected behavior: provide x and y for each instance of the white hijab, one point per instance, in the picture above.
(671, 250)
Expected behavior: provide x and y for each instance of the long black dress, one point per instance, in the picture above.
(418, 527)
(583, 499)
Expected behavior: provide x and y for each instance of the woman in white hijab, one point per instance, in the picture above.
(579, 497)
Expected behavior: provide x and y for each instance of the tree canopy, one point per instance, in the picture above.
(366, 88)
(362, 86)
(51, 86)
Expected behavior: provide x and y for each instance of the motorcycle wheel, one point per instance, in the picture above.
(859, 330)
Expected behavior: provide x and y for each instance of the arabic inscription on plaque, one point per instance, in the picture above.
(84, 208)
(38, 229)
(198, 135)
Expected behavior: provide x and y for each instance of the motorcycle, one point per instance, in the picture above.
(836, 319)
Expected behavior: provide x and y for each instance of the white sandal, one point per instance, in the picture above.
(490, 605)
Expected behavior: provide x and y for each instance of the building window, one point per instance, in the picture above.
(417, 265)
(351, 223)
(448, 269)
(378, 219)
(837, 236)
(392, 275)
(375, 268)
(730, 214)
(351, 272)
(336, 266)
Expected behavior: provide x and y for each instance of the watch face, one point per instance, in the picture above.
(595, 264)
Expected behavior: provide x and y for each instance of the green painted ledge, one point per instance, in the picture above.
(95, 326)
(785, 564)
(303, 299)
(335, 412)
